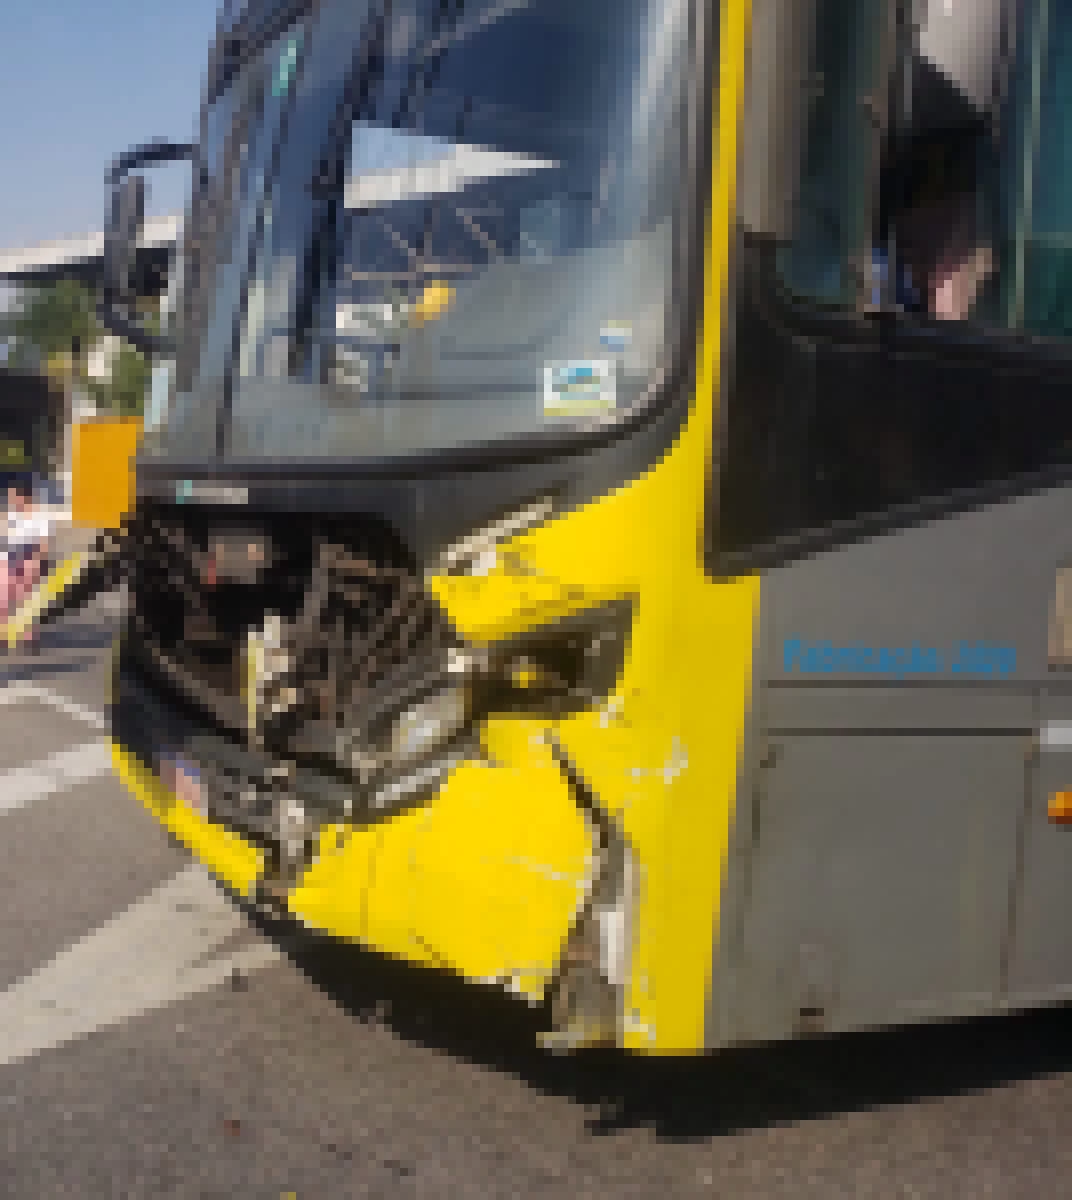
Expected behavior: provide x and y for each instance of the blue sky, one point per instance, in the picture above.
(82, 80)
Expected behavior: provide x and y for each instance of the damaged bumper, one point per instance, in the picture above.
(501, 868)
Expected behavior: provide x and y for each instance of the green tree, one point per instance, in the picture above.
(54, 326)
(124, 393)
(50, 320)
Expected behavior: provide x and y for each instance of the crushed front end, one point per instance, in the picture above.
(295, 703)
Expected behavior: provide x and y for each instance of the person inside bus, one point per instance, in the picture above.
(935, 205)
(26, 536)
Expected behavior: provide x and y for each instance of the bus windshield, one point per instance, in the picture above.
(426, 224)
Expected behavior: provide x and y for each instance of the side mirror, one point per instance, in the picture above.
(122, 234)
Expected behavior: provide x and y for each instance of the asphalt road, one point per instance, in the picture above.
(154, 1043)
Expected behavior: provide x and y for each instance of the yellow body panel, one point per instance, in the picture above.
(486, 880)
(389, 893)
(333, 893)
(514, 596)
(497, 881)
(102, 485)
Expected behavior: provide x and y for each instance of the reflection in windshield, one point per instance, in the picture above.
(389, 166)
(467, 231)
(239, 131)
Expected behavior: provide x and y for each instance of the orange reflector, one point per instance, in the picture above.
(1060, 810)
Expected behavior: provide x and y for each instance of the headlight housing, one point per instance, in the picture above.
(566, 667)
(570, 666)
(429, 723)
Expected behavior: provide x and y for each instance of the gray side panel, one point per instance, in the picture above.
(984, 576)
(878, 894)
(1040, 961)
(888, 853)
(901, 708)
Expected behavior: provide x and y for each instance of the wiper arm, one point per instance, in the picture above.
(400, 241)
(487, 242)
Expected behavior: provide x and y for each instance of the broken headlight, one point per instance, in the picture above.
(429, 723)
(428, 718)
(566, 667)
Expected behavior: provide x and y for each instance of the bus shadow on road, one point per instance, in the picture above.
(66, 637)
(64, 649)
(26, 670)
(686, 1098)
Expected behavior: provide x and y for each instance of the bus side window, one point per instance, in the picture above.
(935, 186)
(834, 198)
(986, 205)
(969, 215)
(1040, 300)
(908, 218)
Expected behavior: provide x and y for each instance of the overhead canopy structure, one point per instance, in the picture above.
(82, 257)
(35, 416)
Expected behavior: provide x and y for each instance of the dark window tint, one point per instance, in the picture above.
(907, 345)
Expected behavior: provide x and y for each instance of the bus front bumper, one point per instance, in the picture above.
(500, 875)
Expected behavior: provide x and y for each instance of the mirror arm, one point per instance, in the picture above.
(147, 155)
(113, 316)
(153, 345)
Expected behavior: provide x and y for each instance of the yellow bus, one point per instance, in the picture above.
(606, 536)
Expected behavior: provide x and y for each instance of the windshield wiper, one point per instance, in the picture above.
(479, 235)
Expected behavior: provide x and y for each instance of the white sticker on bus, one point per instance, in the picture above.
(572, 389)
(1056, 735)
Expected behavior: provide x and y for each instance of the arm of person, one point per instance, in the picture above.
(956, 290)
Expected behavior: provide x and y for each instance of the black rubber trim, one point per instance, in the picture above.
(782, 551)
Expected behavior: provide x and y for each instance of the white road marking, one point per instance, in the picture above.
(19, 693)
(56, 773)
(61, 770)
(142, 960)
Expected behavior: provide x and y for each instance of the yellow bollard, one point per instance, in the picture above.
(102, 470)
